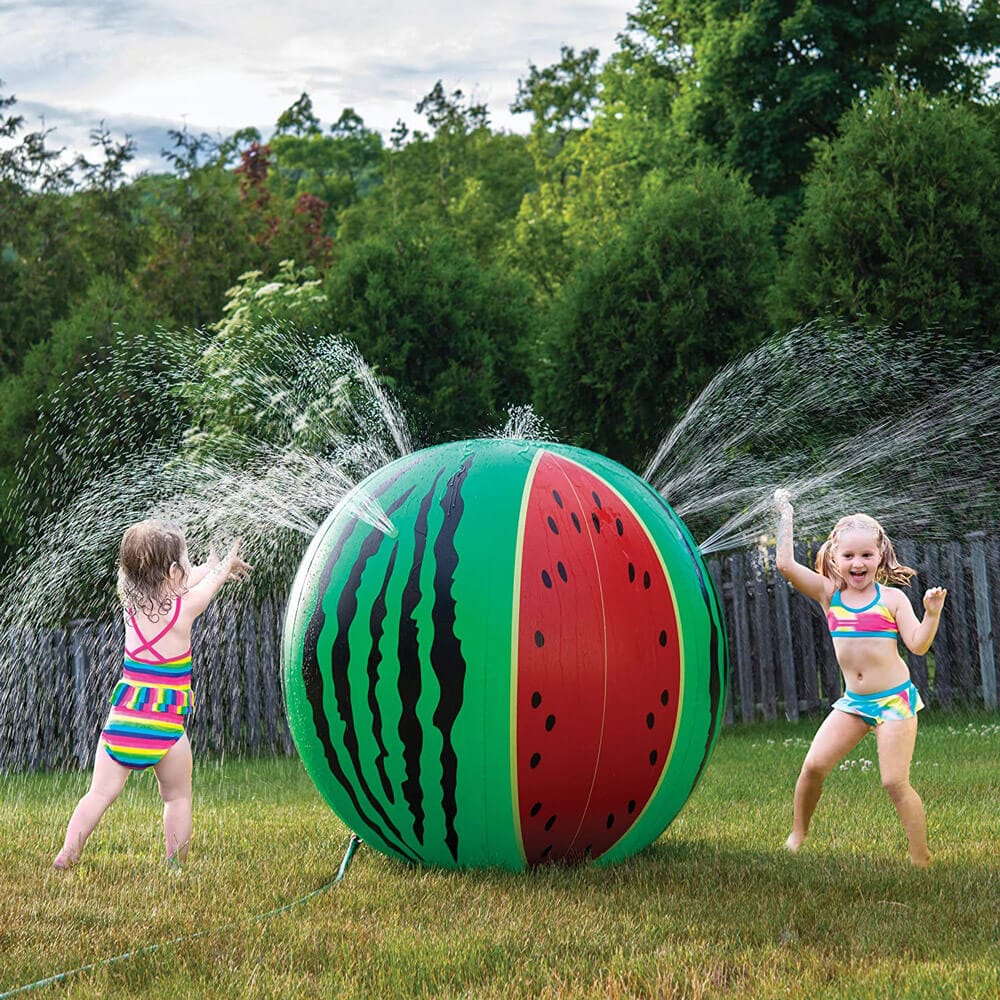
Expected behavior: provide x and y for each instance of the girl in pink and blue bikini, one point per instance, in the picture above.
(855, 582)
(161, 594)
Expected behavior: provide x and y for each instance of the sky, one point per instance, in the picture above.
(143, 67)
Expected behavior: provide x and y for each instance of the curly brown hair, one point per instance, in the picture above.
(149, 550)
(889, 571)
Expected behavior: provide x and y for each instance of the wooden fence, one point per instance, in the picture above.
(53, 690)
(781, 653)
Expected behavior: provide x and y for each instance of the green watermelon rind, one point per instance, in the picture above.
(487, 817)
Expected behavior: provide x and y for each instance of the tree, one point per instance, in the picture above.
(60, 226)
(560, 99)
(901, 224)
(641, 328)
(299, 119)
(201, 234)
(464, 178)
(760, 79)
(82, 402)
(241, 398)
(340, 167)
(446, 333)
(592, 161)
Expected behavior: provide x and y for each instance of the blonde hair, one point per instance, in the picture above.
(149, 551)
(889, 571)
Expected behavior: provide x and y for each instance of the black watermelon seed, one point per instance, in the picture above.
(539, 640)
(646, 581)
(550, 723)
(546, 579)
(555, 493)
(664, 696)
(597, 523)
(650, 720)
(535, 808)
(597, 499)
(652, 756)
(536, 699)
(631, 806)
(536, 759)
(663, 637)
(611, 820)
(549, 822)
(554, 526)
(576, 521)
(619, 526)
(545, 853)
(562, 571)
(631, 573)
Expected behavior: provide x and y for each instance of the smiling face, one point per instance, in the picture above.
(857, 557)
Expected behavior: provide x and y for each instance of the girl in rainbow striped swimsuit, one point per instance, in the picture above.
(162, 594)
(867, 619)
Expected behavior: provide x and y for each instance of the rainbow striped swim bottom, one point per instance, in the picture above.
(145, 722)
(893, 705)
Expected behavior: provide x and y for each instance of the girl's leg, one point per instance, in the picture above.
(173, 774)
(106, 785)
(895, 751)
(838, 735)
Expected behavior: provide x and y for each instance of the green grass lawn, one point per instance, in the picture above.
(714, 908)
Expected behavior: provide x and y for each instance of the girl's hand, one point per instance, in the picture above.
(239, 569)
(934, 600)
(782, 501)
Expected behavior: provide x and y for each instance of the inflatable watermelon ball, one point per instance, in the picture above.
(530, 668)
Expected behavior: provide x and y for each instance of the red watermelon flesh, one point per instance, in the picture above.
(598, 669)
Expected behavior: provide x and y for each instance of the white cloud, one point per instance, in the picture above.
(219, 66)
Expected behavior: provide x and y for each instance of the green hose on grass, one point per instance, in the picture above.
(352, 846)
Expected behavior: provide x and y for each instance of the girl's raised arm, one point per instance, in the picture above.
(802, 578)
(216, 573)
(918, 633)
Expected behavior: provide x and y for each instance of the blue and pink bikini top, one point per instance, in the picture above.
(873, 621)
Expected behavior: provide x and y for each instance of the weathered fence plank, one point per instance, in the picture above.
(785, 646)
(743, 672)
(251, 678)
(763, 646)
(984, 626)
(715, 570)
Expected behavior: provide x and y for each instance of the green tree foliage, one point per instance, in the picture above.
(64, 418)
(240, 398)
(201, 231)
(341, 167)
(901, 223)
(463, 177)
(60, 225)
(596, 136)
(284, 228)
(760, 79)
(643, 326)
(560, 99)
(446, 333)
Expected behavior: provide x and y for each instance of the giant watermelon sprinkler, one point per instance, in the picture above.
(529, 667)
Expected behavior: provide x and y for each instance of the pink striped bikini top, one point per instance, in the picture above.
(874, 620)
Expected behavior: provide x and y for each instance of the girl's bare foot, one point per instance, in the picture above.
(922, 862)
(794, 842)
(64, 860)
